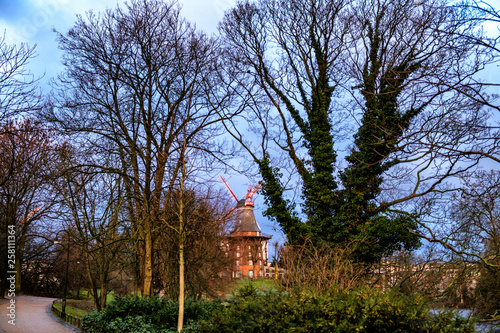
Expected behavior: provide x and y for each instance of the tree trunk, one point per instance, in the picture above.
(180, 320)
(93, 287)
(18, 262)
(104, 290)
(148, 258)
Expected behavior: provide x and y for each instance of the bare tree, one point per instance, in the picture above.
(195, 229)
(18, 89)
(91, 207)
(470, 220)
(132, 78)
(27, 164)
(465, 223)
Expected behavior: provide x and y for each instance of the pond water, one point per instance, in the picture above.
(482, 327)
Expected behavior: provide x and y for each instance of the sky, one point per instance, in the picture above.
(32, 22)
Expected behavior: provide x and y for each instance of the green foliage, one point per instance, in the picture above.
(278, 208)
(135, 314)
(382, 235)
(382, 125)
(94, 323)
(267, 309)
(360, 310)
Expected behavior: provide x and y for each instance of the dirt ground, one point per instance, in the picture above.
(32, 315)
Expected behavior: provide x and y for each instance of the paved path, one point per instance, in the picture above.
(32, 316)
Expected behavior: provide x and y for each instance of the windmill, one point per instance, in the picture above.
(246, 241)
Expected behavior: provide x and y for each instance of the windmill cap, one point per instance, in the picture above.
(243, 203)
(245, 219)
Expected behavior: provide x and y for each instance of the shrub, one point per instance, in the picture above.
(361, 310)
(251, 309)
(135, 314)
(332, 266)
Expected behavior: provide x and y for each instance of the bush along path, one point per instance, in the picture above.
(253, 310)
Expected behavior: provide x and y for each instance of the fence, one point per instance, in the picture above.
(77, 322)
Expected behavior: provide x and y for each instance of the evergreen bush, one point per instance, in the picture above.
(360, 310)
(135, 314)
(251, 309)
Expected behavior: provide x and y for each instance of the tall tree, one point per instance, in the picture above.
(470, 219)
(469, 228)
(27, 154)
(91, 209)
(131, 77)
(309, 74)
(192, 222)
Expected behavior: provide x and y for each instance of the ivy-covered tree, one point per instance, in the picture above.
(309, 75)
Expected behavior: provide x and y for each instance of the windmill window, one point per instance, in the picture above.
(237, 254)
(250, 262)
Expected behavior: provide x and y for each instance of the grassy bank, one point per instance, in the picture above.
(76, 308)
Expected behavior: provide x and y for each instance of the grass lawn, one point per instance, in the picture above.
(81, 307)
(76, 308)
(262, 284)
(85, 294)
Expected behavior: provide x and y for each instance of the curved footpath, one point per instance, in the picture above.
(32, 314)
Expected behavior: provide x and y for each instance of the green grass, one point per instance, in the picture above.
(261, 284)
(81, 307)
(85, 294)
(76, 308)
